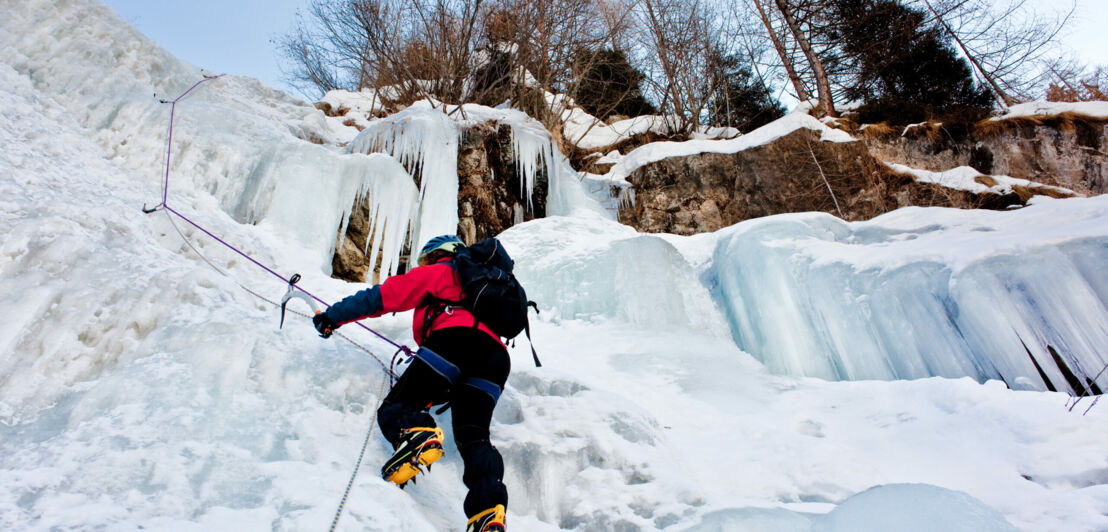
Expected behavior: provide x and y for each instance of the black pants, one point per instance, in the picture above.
(407, 405)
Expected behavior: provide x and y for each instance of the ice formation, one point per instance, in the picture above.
(425, 141)
(424, 138)
(923, 292)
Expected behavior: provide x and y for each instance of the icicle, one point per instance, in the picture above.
(533, 147)
(425, 142)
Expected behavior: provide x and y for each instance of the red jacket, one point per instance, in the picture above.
(418, 289)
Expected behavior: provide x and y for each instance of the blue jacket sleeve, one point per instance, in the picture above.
(360, 305)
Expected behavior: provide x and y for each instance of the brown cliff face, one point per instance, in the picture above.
(797, 173)
(489, 201)
(1064, 150)
(709, 191)
(490, 196)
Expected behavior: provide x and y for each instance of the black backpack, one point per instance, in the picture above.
(491, 292)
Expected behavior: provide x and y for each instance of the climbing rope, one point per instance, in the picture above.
(358, 463)
(164, 205)
(401, 350)
(387, 368)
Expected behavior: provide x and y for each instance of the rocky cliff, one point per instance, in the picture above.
(1067, 150)
(794, 173)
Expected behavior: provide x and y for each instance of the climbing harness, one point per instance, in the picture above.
(293, 291)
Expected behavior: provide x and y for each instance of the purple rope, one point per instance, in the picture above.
(403, 348)
(165, 195)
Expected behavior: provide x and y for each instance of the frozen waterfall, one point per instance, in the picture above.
(924, 292)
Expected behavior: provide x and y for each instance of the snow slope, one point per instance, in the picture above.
(141, 388)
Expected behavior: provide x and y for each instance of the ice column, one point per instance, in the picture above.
(425, 142)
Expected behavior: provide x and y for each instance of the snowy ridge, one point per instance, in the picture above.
(1091, 109)
(663, 150)
(589, 132)
(969, 179)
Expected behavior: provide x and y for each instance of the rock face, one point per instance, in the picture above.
(797, 172)
(1065, 150)
(490, 200)
(490, 191)
(350, 261)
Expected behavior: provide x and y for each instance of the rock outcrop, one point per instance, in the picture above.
(1065, 150)
(490, 189)
(799, 172)
(796, 172)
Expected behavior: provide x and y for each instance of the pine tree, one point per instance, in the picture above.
(741, 100)
(906, 71)
(609, 85)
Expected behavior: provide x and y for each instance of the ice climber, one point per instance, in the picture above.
(461, 361)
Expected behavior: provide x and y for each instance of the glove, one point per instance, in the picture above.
(323, 324)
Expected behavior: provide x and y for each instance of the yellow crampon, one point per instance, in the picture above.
(491, 520)
(419, 446)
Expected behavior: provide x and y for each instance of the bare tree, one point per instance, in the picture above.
(680, 38)
(417, 49)
(823, 85)
(1006, 42)
(546, 44)
(764, 14)
(1074, 82)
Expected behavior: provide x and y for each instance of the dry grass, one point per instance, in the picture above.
(843, 123)
(1026, 192)
(986, 180)
(880, 130)
(932, 131)
(350, 122)
(1064, 122)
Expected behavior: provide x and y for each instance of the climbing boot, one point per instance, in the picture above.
(417, 446)
(491, 520)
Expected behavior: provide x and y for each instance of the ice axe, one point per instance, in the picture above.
(295, 293)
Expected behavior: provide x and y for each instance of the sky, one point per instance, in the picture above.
(228, 36)
(237, 36)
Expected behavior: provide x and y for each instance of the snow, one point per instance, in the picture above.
(140, 388)
(1039, 108)
(913, 508)
(354, 111)
(589, 132)
(657, 151)
(967, 178)
(901, 507)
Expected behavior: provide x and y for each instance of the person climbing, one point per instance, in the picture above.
(461, 362)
